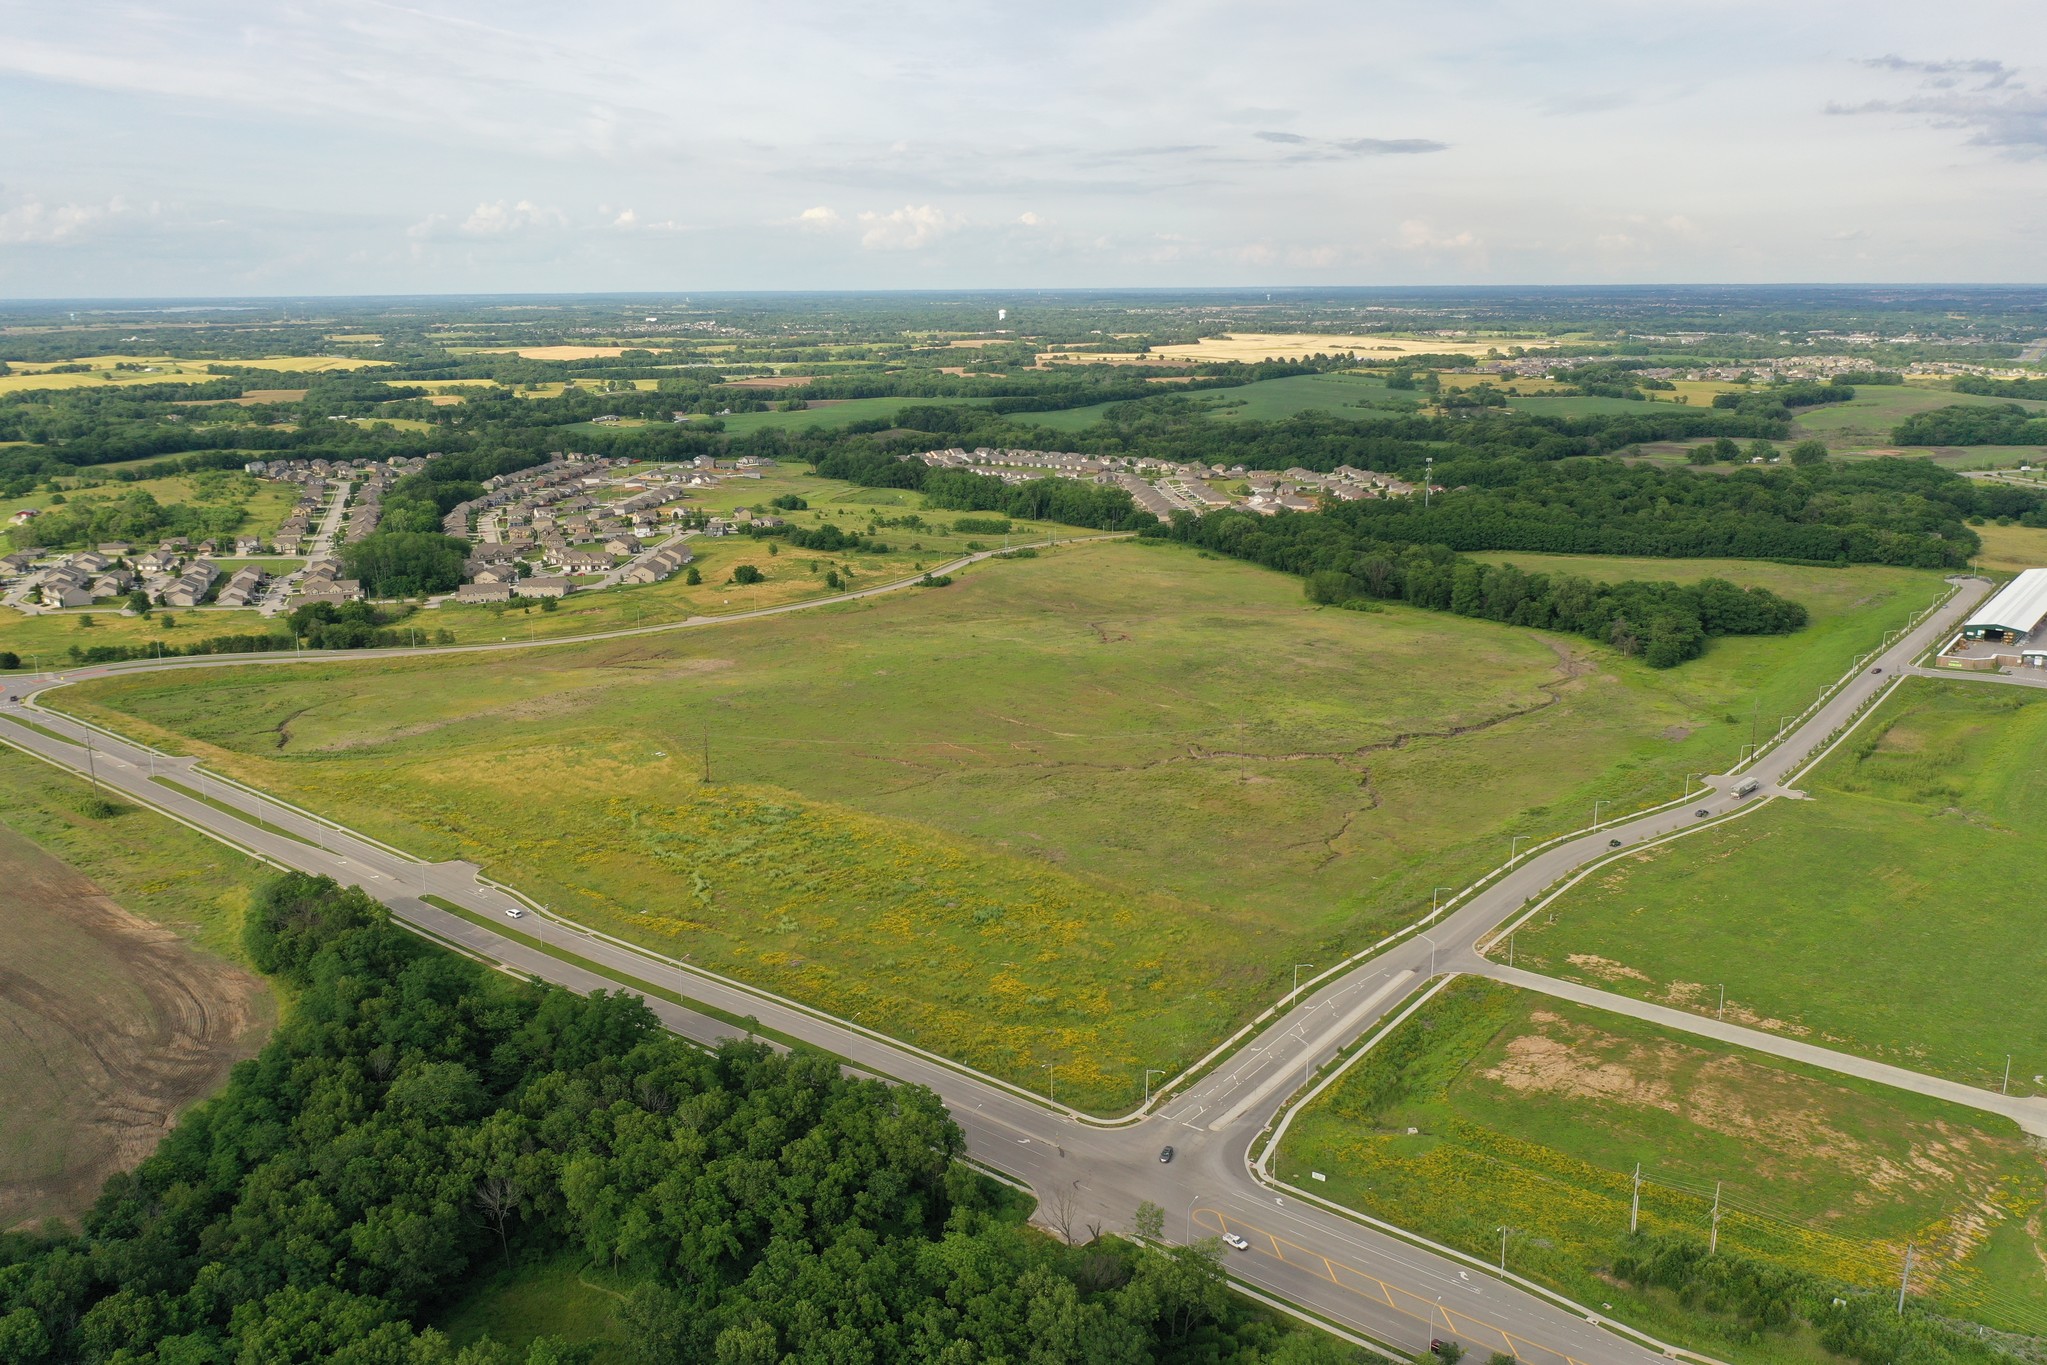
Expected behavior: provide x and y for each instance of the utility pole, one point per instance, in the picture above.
(1905, 1279)
(1635, 1203)
(1713, 1245)
(91, 769)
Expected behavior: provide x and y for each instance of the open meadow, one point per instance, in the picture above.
(1892, 915)
(1493, 1108)
(1866, 420)
(1355, 397)
(1081, 808)
(120, 995)
(2012, 549)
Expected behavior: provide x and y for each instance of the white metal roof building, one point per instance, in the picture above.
(2014, 613)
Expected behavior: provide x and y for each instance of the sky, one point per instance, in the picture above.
(219, 147)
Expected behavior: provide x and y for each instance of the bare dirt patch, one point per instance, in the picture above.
(1606, 969)
(110, 1026)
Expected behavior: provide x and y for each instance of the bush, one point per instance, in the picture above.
(9, 659)
(746, 573)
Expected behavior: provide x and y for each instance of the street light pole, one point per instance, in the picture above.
(1049, 1092)
(1514, 844)
(1296, 993)
(1595, 815)
(1435, 902)
(1432, 952)
(1148, 1074)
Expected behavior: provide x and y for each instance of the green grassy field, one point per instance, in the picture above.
(833, 415)
(1581, 406)
(562, 1297)
(265, 503)
(1266, 400)
(1891, 916)
(2011, 549)
(152, 865)
(1867, 419)
(1493, 1107)
(1081, 809)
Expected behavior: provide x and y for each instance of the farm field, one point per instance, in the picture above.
(1873, 918)
(921, 807)
(2012, 549)
(162, 370)
(1493, 1107)
(126, 1004)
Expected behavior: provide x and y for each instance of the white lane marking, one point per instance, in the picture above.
(1283, 1075)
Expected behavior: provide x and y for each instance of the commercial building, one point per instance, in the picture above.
(2014, 613)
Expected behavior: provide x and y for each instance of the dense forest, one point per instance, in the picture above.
(2006, 424)
(419, 1119)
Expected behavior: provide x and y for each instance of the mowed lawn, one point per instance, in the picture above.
(1082, 809)
(1531, 1114)
(1894, 915)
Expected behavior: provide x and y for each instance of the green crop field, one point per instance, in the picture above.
(1079, 809)
(1494, 1108)
(1891, 916)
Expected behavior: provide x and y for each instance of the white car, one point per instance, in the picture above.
(1236, 1241)
(515, 913)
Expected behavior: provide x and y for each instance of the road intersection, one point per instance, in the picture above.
(1087, 1173)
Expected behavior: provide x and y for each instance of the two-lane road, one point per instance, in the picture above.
(1084, 1172)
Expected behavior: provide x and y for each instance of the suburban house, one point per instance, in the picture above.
(542, 587)
(484, 592)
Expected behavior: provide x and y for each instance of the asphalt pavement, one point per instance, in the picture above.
(1086, 1173)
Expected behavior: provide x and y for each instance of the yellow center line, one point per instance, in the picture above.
(1455, 1322)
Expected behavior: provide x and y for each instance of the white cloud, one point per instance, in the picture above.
(909, 228)
(38, 223)
(1029, 219)
(819, 218)
(499, 218)
(625, 219)
(1418, 235)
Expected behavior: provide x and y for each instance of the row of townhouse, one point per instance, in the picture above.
(658, 565)
(322, 582)
(244, 587)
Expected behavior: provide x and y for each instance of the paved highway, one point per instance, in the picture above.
(1085, 1172)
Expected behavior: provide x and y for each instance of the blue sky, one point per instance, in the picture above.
(298, 146)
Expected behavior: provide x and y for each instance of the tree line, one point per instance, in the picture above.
(419, 1119)
(1665, 624)
(2003, 424)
